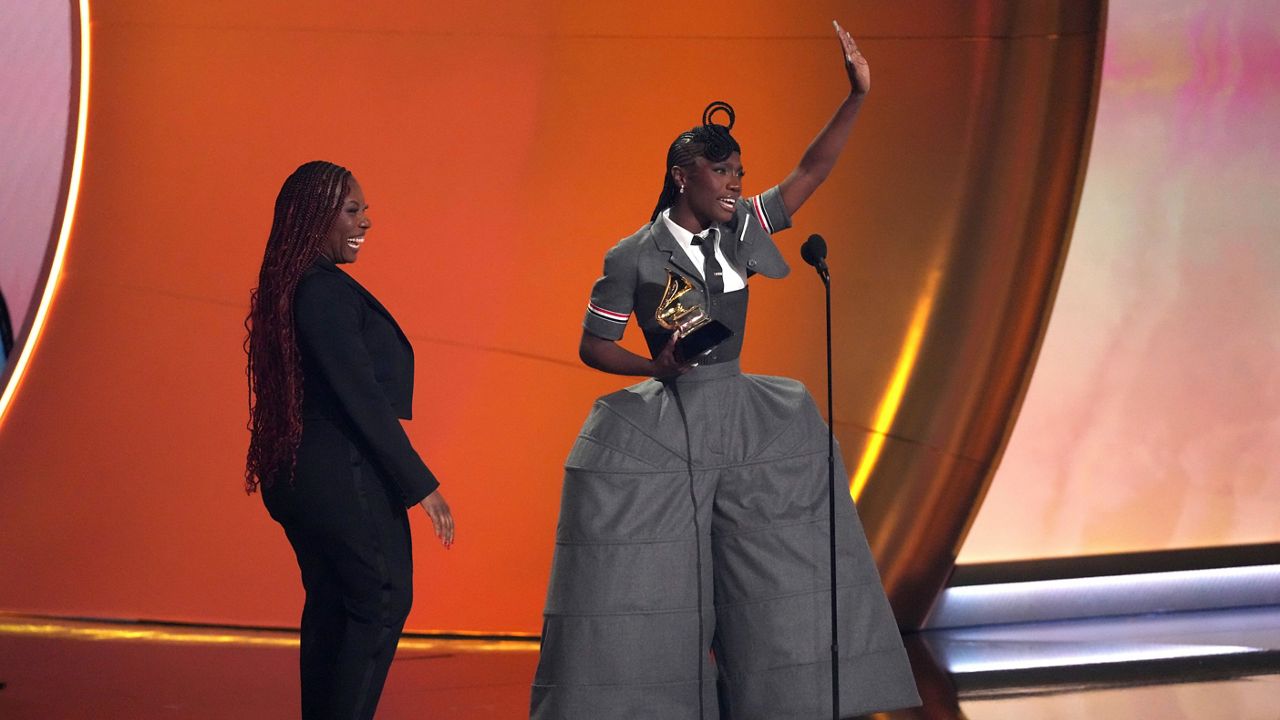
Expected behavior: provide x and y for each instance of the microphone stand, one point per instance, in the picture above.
(825, 274)
(814, 252)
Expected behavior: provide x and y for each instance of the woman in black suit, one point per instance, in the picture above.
(330, 377)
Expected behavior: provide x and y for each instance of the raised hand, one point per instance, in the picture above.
(820, 158)
(854, 64)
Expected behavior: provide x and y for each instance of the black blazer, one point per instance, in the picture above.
(357, 369)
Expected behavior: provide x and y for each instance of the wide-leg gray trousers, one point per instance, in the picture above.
(691, 571)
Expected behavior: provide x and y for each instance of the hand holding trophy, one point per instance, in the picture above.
(699, 332)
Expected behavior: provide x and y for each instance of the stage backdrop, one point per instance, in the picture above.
(503, 147)
(1153, 417)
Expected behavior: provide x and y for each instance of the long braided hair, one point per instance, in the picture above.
(709, 140)
(308, 204)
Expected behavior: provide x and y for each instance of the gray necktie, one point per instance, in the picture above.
(712, 273)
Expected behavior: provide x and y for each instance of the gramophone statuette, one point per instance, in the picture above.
(699, 332)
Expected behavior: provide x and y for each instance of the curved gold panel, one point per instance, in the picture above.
(974, 248)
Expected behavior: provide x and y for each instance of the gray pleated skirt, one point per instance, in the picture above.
(692, 563)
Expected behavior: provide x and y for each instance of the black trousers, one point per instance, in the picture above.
(351, 537)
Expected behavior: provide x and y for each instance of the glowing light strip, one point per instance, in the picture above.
(1032, 659)
(1109, 595)
(68, 214)
(242, 638)
(892, 399)
(1035, 591)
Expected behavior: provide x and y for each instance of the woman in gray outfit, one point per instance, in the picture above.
(691, 571)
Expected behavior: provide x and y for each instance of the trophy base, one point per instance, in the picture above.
(703, 339)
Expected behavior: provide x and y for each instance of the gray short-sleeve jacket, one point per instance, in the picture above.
(635, 270)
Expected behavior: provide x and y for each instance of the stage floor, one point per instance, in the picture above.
(1220, 665)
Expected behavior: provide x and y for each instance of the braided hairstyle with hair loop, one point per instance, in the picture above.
(308, 203)
(709, 140)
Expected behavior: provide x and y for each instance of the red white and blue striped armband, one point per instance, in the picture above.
(769, 211)
(605, 323)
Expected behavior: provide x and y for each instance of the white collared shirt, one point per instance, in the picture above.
(734, 278)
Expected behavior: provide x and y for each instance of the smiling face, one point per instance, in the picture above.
(345, 237)
(711, 191)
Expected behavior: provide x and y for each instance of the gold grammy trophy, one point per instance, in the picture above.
(699, 332)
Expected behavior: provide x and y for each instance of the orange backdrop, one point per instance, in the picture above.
(503, 146)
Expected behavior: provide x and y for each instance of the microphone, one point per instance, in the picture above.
(814, 252)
